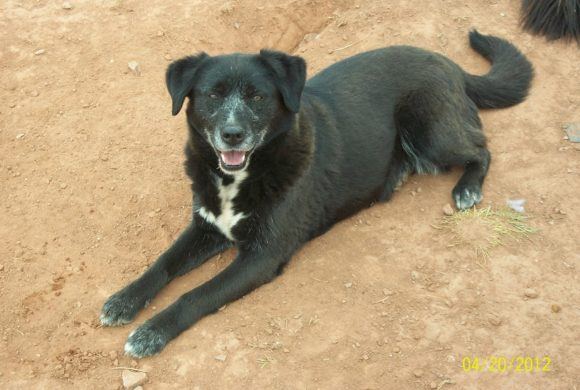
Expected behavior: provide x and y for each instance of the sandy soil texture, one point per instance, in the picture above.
(93, 189)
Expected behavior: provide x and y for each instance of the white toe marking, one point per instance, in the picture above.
(129, 348)
(228, 218)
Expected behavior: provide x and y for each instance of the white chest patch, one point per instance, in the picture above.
(228, 218)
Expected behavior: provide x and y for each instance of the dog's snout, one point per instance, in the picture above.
(232, 135)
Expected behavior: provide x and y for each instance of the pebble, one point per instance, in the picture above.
(495, 321)
(39, 52)
(418, 373)
(134, 363)
(530, 293)
(133, 379)
(167, 57)
(135, 68)
(448, 210)
(555, 308)
(220, 358)
(433, 385)
(34, 93)
(348, 285)
(67, 5)
(2, 269)
(396, 350)
(19, 136)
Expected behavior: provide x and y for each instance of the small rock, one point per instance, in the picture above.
(167, 57)
(348, 285)
(555, 308)
(418, 373)
(138, 388)
(19, 136)
(113, 355)
(134, 363)
(220, 358)
(530, 293)
(2, 268)
(67, 5)
(12, 105)
(133, 379)
(448, 210)
(135, 68)
(39, 52)
(502, 14)
(396, 349)
(573, 131)
(495, 321)
(516, 204)
(34, 93)
(433, 385)
(415, 275)
(63, 186)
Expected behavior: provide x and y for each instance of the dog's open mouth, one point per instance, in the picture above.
(233, 160)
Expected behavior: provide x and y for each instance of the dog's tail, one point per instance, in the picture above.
(508, 81)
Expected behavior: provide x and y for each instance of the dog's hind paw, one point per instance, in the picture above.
(467, 196)
(146, 340)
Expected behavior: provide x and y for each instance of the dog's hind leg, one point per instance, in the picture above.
(444, 130)
(399, 170)
(468, 190)
(456, 139)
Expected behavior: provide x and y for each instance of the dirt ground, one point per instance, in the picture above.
(93, 189)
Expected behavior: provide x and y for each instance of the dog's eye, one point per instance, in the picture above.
(213, 96)
(257, 98)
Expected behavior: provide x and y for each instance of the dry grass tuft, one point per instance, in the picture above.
(484, 228)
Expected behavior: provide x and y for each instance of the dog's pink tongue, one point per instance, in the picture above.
(233, 157)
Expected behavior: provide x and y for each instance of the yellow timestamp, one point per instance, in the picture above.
(501, 364)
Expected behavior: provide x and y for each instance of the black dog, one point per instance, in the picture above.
(275, 162)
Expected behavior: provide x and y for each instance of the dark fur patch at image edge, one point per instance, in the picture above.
(554, 19)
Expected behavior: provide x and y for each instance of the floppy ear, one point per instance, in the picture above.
(290, 75)
(180, 78)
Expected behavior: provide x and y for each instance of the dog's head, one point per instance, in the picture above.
(237, 102)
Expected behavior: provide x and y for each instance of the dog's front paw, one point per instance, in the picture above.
(146, 340)
(467, 196)
(121, 308)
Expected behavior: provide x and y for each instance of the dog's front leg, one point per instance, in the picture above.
(195, 245)
(247, 272)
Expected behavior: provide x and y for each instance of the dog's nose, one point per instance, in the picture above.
(232, 135)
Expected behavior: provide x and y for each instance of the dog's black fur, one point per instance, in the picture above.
(314, 154)
(554, 19)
